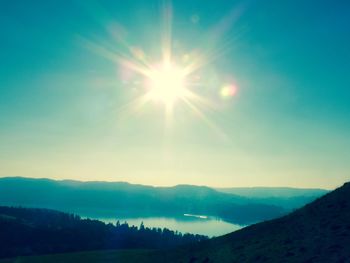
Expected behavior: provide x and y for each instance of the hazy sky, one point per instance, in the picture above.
(65, 102)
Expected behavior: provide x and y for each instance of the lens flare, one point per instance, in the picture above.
(228, 91)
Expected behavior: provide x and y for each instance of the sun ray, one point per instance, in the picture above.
(206, 120)
(166, 32)
(165, 81)
(132, 107)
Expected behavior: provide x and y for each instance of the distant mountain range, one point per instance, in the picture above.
(287, 197)
(270, 192)
(118, 199)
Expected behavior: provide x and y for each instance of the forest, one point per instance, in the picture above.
(29, 231)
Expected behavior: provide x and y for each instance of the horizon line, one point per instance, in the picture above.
(168, 186)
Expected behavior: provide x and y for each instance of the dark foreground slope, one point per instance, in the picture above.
(318, 232)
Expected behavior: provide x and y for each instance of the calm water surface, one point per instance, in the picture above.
(186, 224)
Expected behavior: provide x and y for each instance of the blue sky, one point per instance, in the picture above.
(64, 106)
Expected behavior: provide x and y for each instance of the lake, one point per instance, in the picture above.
(193, 224)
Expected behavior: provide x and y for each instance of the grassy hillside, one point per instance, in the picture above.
(105, 256)
(318, 232)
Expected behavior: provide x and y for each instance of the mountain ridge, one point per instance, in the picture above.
(119, 198)
(170, 186)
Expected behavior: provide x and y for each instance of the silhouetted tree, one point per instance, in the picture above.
(27, 231)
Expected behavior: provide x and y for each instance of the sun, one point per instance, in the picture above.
(178, 81)
(167, 84)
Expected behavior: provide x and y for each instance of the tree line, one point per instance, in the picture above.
(29, 231)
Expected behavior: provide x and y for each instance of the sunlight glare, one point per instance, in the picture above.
(167, 84)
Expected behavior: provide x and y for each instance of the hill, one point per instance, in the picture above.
(267, 192)
(118, 199)
(317, 232)
(103, 256)
(287, 197)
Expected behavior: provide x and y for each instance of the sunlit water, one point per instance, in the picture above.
(187, 224)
